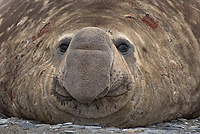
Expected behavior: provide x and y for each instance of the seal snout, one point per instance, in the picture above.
(88, 64)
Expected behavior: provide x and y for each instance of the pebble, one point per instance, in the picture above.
(93, 127)
(3, 121)
(5, 125)
(55, 127)
(112, 129)
(34, 127)
(68, 123)
(44, 133)
(69, 132)
(178, 126)
(27, 125)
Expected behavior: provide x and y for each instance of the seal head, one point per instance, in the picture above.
(90, 72)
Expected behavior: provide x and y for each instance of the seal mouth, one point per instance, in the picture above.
(60, 92)
(63, 95)
(106, 105)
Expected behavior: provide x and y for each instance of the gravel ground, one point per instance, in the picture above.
(20, 126)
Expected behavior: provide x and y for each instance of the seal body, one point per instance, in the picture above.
(116, 63)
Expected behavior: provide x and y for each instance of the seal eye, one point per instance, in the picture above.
(123, 47)
(63, 48)
(63, 45)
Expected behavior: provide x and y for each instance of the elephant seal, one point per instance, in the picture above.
(118, 63)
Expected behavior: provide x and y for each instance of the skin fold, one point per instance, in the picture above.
(123, 63)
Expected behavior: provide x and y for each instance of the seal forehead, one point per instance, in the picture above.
(93, 36)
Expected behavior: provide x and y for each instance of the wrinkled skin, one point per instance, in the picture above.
(116, 63)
